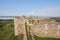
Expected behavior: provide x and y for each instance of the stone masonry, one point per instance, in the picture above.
(41, 28)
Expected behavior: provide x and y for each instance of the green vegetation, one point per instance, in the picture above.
(29, 37)
(20, 37)
(7, 32)
(56, 18)
(43, 38)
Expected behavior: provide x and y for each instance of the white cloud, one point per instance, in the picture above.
(50, 11)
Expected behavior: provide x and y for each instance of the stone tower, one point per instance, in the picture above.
(19, 23)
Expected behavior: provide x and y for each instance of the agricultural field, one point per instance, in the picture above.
(7, 32)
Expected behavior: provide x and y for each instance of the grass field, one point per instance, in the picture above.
(43, 38)
(7, 32)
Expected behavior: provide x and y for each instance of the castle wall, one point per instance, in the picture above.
(19, 23)
(42, 28)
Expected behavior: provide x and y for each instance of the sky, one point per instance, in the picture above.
(50, 8)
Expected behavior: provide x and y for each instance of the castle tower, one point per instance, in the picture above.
(19, 25)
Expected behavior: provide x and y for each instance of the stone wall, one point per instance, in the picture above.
(46, 28)
(42, 28)
(19, 24)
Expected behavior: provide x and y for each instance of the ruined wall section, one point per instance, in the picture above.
(42, 27)
(19, 23)
(46, 28)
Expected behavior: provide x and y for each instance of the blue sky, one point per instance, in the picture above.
(30, 8)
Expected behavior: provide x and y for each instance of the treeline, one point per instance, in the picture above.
(4, 22)
(56, 18)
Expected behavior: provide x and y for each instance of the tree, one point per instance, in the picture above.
(38, 21)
